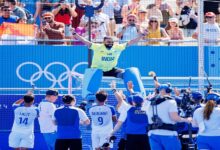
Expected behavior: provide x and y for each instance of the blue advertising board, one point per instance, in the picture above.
(50, 66)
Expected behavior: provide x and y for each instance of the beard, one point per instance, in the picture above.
(49, 21)
(108, 46)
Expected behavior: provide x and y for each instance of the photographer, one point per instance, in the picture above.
(52, 29)
(162, 116)
(130, 31)
(208, 120)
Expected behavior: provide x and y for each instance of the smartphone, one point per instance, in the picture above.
(44, 22)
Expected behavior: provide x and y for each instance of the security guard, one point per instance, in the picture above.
(162, 116)
(207, 118)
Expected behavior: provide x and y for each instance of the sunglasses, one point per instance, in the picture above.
(6, 10)
(47, 18)
(209, 17)
(154, 21)
(131, 20)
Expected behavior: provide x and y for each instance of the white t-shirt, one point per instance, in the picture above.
(47, 110)
(24, 119)
(210, 31)
(131, 32)
(101, 117)
(212, 126)
(163, 110)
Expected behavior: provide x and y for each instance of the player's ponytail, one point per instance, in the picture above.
(208, 109)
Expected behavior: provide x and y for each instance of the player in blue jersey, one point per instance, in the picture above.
(102, 117)
(22, 134)
(68, 118)
(136, 123)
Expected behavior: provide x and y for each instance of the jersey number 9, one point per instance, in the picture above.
(100, 120)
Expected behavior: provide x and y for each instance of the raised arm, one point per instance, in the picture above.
(133, 41)
(141, 35)
(82, 39)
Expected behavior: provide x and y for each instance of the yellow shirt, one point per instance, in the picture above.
(153, 34)
(106, 59)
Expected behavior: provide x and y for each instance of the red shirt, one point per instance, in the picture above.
(65, 18)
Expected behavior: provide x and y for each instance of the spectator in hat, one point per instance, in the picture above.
(207, 118)
(6, 15)
(47, 109)
(211, 30)
(52, 29)
(130, 30)
(173, 30)
(68, 118)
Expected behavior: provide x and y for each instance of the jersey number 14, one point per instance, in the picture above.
(23, 120)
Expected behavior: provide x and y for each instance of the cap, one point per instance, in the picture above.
(138, 99)
(52, 92)
(132, 15)
(153, 18)
(165, 87)
(173, 20)
(196, 95)
(213, 96)
(141, 9)
(210, 14)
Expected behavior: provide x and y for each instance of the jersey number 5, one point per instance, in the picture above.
(23, 120)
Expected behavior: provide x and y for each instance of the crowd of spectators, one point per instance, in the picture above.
(122, 19)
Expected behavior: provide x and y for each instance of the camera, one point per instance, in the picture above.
(186, 104)
(44, 22)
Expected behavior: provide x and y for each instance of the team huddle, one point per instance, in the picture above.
(147, 123)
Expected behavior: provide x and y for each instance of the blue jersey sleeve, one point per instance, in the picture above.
(38, 112)
(112, 110)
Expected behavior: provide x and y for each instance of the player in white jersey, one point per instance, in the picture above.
(47, 109)
(22, 134)
(102, 117)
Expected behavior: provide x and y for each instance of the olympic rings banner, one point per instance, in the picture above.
(50, 66)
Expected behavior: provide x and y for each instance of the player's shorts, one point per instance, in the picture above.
(21, 140)
(98, 139)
